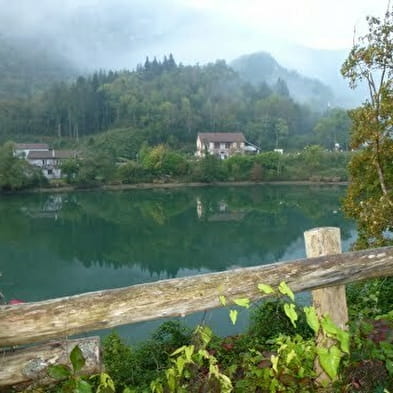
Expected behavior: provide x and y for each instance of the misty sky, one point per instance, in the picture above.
(120, 33)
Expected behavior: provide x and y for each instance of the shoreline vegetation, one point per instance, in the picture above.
(163, 167)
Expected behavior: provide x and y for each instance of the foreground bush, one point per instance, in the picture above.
(277, 354)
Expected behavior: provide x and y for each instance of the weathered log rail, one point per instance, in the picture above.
(24, 365)
(37, 322)
(41, 321)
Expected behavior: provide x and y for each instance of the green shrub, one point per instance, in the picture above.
(209, 169)
(268, 320)
(238, 167)
(132, 172)
(136, 366)
(160, 160)
(370, 298)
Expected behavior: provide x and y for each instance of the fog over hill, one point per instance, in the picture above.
(262, 67)
(119, 34)
(27, 67)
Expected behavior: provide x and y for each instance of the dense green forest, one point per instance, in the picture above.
(166, 102)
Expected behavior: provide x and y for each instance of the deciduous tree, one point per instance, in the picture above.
(369, 198)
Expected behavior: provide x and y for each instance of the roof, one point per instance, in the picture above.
(31, 146)
(221, 137)
(56, 154)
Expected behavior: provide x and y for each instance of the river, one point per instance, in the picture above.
(54, 245)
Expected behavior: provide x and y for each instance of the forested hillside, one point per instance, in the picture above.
(164, 102)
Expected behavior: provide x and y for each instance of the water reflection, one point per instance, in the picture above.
(221, 212)
(55, 245)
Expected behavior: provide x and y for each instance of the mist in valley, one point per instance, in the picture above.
(88, 35)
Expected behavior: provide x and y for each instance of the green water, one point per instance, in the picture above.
(54, 245)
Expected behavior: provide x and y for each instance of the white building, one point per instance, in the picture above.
(50, 161)
(223, 144)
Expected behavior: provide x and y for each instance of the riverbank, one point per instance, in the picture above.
(146, 186)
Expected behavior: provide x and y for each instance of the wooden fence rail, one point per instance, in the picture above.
(41, 321)
(22, 366)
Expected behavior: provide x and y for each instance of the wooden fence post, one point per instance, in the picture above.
(331, 300)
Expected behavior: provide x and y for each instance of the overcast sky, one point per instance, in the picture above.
(324, 24)
(119, 33)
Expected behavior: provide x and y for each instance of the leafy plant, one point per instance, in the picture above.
(135, 367)
(328, 354)
(193, 369)
(71, 380)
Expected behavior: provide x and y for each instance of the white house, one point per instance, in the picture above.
(223, 144)
(50, 161)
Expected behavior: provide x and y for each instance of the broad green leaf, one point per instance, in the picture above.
(204, 354)
(225, 383)
(233, 316)
(312, 318)
(223, 300)
(265, 288)
(329, 359)
(291, 355)
(343, 339)
(59, 371)
(328, 326)
(155, 386)
(180, 362)
(205, 333)
(291, 313)
(242, 302)
(188, 352)
(82, 386)
(213, 370)
(77, 359)
(106, 384)
(285, 290)
(178, 350)
(274, 360)
(171, 379)
(332, 330)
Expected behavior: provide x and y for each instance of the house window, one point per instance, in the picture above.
(50, 171)
(216, 145)
(227, 145)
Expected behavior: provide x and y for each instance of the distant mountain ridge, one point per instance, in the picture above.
(262, 67)
(31, 64)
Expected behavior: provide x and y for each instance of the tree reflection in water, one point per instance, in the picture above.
(55, 245)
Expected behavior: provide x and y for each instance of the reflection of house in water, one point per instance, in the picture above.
(218, 212)
(49, 209)
(199, 207)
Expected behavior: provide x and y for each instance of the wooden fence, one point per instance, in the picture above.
(39, 322)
